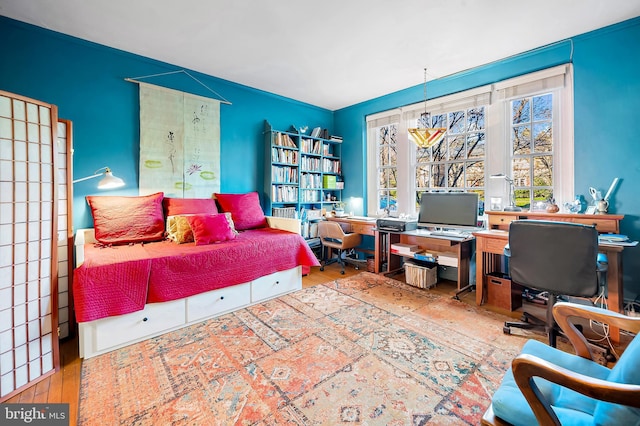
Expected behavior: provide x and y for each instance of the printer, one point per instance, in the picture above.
(393, 224)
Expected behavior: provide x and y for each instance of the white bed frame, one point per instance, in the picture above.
(106, 334)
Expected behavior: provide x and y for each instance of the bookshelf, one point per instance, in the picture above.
(303, 172)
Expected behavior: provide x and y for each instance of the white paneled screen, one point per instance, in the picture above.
(28, 243)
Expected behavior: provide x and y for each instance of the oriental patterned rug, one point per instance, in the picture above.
(363, 350)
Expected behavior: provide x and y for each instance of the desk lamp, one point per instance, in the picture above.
(512, 193)
(108, 182)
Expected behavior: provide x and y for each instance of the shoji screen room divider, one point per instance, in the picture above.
(28, 243)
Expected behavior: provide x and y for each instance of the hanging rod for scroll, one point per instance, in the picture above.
(136, 80)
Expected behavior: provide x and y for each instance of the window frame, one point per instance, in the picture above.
(496, 98)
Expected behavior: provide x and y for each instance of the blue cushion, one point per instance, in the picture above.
(572, 408)
(625, 371)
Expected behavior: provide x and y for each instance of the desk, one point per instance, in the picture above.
(461, 249)
(491, 242)
(358, 225)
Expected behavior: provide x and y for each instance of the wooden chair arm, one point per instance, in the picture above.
(351, 240)
(526, 367)
(285, 223)
(563, 311)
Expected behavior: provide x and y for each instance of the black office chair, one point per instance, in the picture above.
(558, 258)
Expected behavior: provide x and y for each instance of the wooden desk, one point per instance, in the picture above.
(491, 242)
(462, 250)
(357, 225)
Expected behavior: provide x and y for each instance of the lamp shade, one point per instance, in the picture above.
(109, 181)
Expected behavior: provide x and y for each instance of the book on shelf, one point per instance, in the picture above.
(425, 257)
(446, 260)
(282, 139)
(315, 133)
(407, 249)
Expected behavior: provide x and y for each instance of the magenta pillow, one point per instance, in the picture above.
(123, 220)
(244, 208)
(208, 229)
(176, 206)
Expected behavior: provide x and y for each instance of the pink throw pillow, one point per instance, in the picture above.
(244, 208)
(123, 220)
(176, 206)
(208, 229)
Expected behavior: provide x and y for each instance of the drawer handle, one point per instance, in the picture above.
(221, 297)
(145, 319)
(276, 283)
(496, 282)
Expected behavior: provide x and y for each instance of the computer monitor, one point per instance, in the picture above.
(446, 210)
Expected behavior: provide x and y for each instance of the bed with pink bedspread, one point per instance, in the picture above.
(116, 280)
(153, 264)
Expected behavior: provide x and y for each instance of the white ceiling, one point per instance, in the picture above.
(329, 53)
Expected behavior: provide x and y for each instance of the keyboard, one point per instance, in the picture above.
(454, 234)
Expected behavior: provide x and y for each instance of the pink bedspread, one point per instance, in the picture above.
(122, 279)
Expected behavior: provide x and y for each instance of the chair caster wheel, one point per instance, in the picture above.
(506, 330)
(342, 272)
(322, 268)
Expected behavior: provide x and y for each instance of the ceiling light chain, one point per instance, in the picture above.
(426, 137)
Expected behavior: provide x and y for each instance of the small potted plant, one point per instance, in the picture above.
(338, 208)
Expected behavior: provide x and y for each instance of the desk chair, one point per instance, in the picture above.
(559, 258)
(332, 236)
(548, 386)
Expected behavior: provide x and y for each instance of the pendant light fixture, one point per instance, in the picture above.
(428, 136)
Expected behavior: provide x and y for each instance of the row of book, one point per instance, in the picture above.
(331, 166)
(311, 196)
(310, 163)
(282, 139)
(279, 155)
(284, 194)
(310, 180)
(284, 174)
(413, 250)
(311, 146)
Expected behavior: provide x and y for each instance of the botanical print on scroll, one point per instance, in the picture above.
(201, 156)
(179, 143)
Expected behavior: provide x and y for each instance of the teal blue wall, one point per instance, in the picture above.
(86, 82)
(607, 103)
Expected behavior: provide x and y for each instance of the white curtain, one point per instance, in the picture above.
(179, 143)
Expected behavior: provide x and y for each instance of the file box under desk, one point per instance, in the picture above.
(420, 276)
(502, 293)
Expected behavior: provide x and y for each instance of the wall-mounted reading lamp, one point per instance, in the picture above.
(512, 193)
(109, 181)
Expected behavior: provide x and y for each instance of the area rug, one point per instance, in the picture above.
(364, 350)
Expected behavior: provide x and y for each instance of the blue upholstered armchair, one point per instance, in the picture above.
(550, 387)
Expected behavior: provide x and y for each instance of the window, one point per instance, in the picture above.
(532, 148)
(383, 178)
(521, 127)
(387, 168)
(457, 162)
